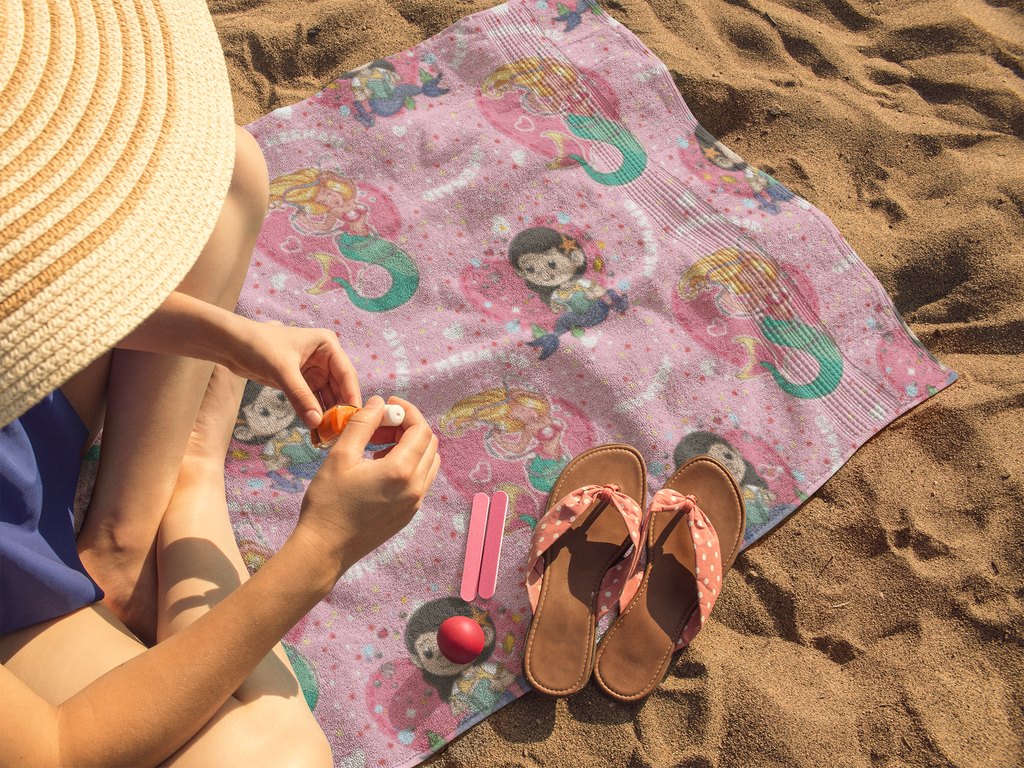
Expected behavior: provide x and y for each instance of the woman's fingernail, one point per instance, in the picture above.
(312, 418)
(374, 401)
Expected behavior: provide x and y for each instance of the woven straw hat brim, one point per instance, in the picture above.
(116, 152)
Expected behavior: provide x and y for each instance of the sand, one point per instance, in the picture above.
(882, 624)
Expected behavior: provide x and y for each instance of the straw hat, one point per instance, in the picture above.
(116, 150)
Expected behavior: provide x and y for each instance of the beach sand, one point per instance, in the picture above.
(882, 624)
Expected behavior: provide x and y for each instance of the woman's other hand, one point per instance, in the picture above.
(354, 505)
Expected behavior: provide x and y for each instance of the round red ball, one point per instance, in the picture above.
(460, 639)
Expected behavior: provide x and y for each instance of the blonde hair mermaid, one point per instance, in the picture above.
(542, 94)
(493, 407)
(301, 187)
(742, 273)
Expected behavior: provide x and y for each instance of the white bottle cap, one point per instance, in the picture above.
(393, 415)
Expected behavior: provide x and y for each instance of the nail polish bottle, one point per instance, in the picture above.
(329, 430)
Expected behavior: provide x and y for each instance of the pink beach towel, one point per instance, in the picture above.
(519, 226)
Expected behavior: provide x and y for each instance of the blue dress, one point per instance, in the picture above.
(41, 575)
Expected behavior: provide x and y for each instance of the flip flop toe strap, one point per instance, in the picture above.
(707, 555)
(559, 519)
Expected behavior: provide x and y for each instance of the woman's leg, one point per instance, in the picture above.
(198, 561)
(266, 721)
(199, 565)
(150, 402)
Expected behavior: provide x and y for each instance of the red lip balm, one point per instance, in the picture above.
(460, 639)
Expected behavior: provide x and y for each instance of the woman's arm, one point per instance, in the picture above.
(143, 711)
(298, 361)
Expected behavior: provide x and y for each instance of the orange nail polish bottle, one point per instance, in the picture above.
(329, 430)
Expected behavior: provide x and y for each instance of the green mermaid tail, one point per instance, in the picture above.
(544, 472)
(818, 344)
(372, 250)
(305, 675)
(597, 128)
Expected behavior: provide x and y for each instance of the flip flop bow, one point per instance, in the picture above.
(557, 520)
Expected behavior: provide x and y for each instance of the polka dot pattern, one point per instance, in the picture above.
(706, 553)
(560, 518)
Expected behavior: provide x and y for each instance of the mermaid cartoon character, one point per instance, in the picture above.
(420, 698)
(520, 424)
(379, 86)
(757, 496)
(763, 189)
(326, 203)
(376, 80)
(751, 285)
(552, 266)
(267, 418)
(549, 87)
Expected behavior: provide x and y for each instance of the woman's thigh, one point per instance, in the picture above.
(59, 658)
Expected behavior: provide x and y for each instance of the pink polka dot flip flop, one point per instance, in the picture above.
(591, 522)
(694, 531)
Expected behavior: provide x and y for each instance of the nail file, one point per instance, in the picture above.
(492, 545)
(474, 547)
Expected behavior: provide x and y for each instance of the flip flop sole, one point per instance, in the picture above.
(559, 652)
(635, 653)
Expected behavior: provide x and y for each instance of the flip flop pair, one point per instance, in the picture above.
(576, 572)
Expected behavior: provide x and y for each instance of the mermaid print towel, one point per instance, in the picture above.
(519, 226)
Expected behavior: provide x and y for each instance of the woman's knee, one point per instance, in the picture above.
(267, 731)
(296, 739)
(314, 752)
(292, 743)
(249, 182)
(219, 272)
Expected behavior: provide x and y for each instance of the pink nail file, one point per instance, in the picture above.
(474, 547)
(492, 545)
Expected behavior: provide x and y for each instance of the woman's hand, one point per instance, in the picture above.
(298, 361)
(301, 362)
(354, 505)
